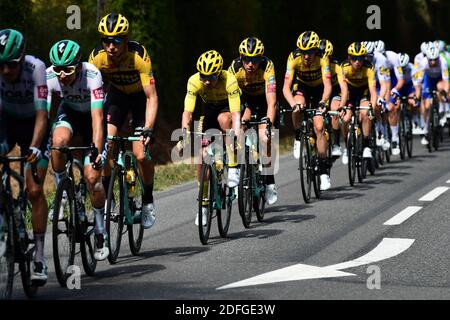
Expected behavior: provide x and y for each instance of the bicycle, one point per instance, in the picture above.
(405, 128)
(126, 187)
(220, 196)
(77, 222)
(434, 128)
(15, 229)
(252, 184)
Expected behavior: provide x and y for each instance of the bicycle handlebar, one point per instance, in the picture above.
(7, 160)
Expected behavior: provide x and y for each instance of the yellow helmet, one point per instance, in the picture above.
(308, 40)
(357, 49)
(113, 24)
(326, 47)
(251, 47)
(210, 62)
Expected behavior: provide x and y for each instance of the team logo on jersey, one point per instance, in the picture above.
(272, 80)
(98, 93)
(42, 92)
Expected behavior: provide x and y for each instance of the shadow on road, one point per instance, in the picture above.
(131, 271)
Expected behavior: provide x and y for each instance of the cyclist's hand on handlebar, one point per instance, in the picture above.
(381, 102)
(34, 155)
(342, 112)
(297, 107)
(395, 94)
(322, 107)
(147, 135)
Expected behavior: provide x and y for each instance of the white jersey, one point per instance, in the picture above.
(419, 57)
(84, 94)
(381, 66)
(23, 98)
(394, 64)
(437, 72)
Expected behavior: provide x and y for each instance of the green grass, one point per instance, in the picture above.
(169, 175)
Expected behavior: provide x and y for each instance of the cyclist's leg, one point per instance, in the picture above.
(366, 123)
(62, 133)
(335, 102)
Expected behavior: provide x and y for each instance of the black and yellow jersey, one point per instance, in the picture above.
(312, 75)
(133, 72)
(256, 84)
(226, 91)
(364, 77)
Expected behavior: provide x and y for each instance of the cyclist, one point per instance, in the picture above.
(75, 90)
(432, 75)
(127, 67)
(255, 74)
(312, 80)
(359, 74)
(383, 81)
(338, 97)
(221, 107)
(23, 98)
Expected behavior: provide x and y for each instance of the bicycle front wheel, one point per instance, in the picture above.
(136, 230)
(306, 172)
(245, 191)
(114, 214)
(259, 197)
(64, 231)
(224, 216)
(7, 252)
(206, 188)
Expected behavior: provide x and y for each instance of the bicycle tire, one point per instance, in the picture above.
(25, 274)
(114, 214)
(245, 191)
(259, 201)
(204, 230)
(136, 230)
(402, 138)
(305, 168)
(351, 165)
(409, 136)
(224, 217)
(359, 155)
(7, 259)
(69, 230)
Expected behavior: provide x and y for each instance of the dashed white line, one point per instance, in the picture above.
(448, 181)
(433, 194)
(402, 216)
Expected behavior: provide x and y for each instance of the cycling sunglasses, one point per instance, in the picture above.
(254, 60)
(9, 64)
(114, 40)
(357, 58)
(211, 77)
(308, 52)
(66, 70)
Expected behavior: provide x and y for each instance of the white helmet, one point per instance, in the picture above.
(404, 59)
(380, 46)
(432, 51)
(423, 47)
(370, 46)
(440, 44)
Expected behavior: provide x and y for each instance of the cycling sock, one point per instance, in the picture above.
(298, 133)
(270, 179)
(99, 220)
(337, 136)
(394, 130)
(366, 142)
(147, 197)
(106, 180)
(39, 245)
(441, 107)
(422, 121)
(323, 166)
(58, 176)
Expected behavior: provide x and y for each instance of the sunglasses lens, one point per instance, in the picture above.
(113, 40)
(307, 52)
(211, 77)
(254, 60)
(66, 70)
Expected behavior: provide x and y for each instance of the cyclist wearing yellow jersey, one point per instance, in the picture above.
(339, 97)
(127, 67)
(359, 74)
(255, 74)
(220, 94)
(312, 81)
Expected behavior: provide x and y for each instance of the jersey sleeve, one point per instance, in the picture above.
(50, 87)
(234, 93)
(339, 73)
(325, 68)
(40, 86)
(269, 77)
(95, 82)
(444, 67)
(370, 73)
(193, 87)
(290, 68)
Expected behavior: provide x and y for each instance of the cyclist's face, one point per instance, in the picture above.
(10, 71)
(356, 62)
(432, 62)
(67, 80)
(251, 64)
(210, 81)
(114, 46)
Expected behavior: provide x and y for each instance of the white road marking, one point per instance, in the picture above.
(448, 181)
(387, 248)
(433, 194)
(402, 216)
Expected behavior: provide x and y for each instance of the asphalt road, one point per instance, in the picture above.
(410, 259)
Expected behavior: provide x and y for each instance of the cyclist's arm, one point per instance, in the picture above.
(400, 78)
(343, 86)
(371, 82)
(271, 91)
(234, 101)
(288, 80)
(326, 79)
(189, 102)
(144, 67)
(97, 112)
(445, 76)
(40, 103)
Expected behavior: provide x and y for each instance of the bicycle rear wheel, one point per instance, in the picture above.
(87, 246)
(7, 255)
(206, 187)
(306, 172)
(64, 231)
(114, 214)
(136, 230)
(245, 192)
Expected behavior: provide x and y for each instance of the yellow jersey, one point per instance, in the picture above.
(133, 72)
(336, 71)
(364, 77)
(225, 92)
(262, 81)
(312, 75)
